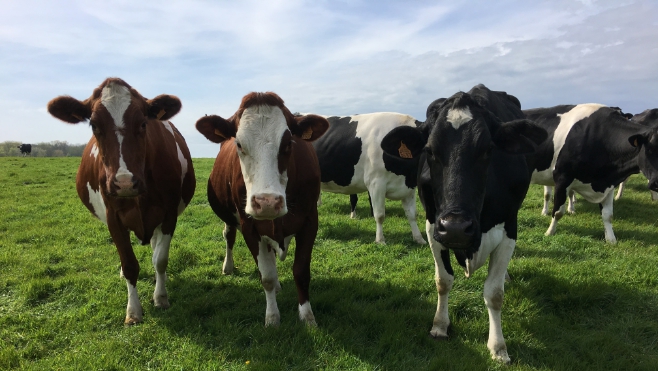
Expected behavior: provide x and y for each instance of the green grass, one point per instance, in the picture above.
(575, 302)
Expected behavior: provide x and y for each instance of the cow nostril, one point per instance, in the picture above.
(469, 229)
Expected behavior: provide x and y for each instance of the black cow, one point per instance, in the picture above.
(472, 180)
(592, 149)
(26, 149)
(352, 161)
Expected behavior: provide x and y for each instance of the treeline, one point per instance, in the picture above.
(50, 149)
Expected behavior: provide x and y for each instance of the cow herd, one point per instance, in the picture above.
(471, 162)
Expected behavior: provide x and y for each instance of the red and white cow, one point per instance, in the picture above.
(265, 183)
(136, 174)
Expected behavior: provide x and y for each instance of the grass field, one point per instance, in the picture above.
(575, 302)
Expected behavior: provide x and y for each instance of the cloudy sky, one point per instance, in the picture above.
(326, 57)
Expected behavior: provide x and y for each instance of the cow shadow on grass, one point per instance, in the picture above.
(377, 325)
(345, 229)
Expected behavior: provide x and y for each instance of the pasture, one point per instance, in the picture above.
(574, 303)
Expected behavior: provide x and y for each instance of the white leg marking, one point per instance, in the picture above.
(571, 199)
(228, 266)
(270, 280)
(353, 214)
(548, 192)
(160, 244)
(620, 190)
(409, 207)
(606, 215)
(654, 196)
(444, 281)
(306, 314)
(553, 227)
(494, 288)
(97, 203)
(378, 197)
(134, 308)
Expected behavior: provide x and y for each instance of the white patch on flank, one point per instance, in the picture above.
(567, 121)
(116, 99)
(183, 164)
(459, 116)
(259, 134)
(94, 151)
(97, 203)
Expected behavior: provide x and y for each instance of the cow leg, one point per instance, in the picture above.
(129, 267)
(409, 206)
(559, 200)
(229, 236)
(654, 196)
(494, 288)
(378, 199)
(353, 200)
(444, 278)
(270, 280)
(571, 208)
(548, 192)
(620, 189)
(606, 215)
(301, 268)
(160, 243)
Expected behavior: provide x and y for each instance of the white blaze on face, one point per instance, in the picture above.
(97, 203)
(259, 134)
(116, 99)
(459, 116)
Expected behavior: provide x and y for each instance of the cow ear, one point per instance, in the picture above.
(310, 127)
(637, 140)
(163, 107)
(215, 128)
(404, 142)
(519, 137)
(69, 109)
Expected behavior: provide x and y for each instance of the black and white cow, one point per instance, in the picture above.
(472, 180)
(592, 149)
(352, 161)
(26, 149)
(647, 118)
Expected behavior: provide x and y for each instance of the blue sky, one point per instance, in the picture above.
(326, 57)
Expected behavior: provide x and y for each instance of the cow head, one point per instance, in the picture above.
(456, 144)
(119, 119)
(264, 132)
(647, 142)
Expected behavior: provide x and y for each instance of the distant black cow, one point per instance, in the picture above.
(472, 180)
(592, 149)
(26, 149)
(352, 161)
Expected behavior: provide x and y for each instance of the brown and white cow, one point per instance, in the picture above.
(265, 183)
(136, 174)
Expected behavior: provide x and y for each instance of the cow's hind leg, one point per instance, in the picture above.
(494, 288)
(409, 206)
(444, 277)
(229, 236)
(354, 199)
(559, 200)
(160, 243)
(548, 192)
(620, 189)
(606, 215)
(571, 207)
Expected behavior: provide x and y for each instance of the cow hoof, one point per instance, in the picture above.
(438, 333)
(227, 268)
(544, 212)
(352, 215)
(612, 241)
(132, 320)
(381, 242)
(272, 320)
(501, 356)
(161, 302)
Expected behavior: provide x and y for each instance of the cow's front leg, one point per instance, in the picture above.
(301, 268)
(270, 279)
(606, 215)
(160, 243)
(444, 278)
(229, 236)
(548, 193)
(129, 267)
(409, 206)
(494, 288)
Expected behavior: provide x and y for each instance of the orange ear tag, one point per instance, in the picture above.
(161, 113)
(404, 151)
(307, 134)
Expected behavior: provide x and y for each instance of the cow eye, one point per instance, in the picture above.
(237, 144)
(94, 128)
(144, 125)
